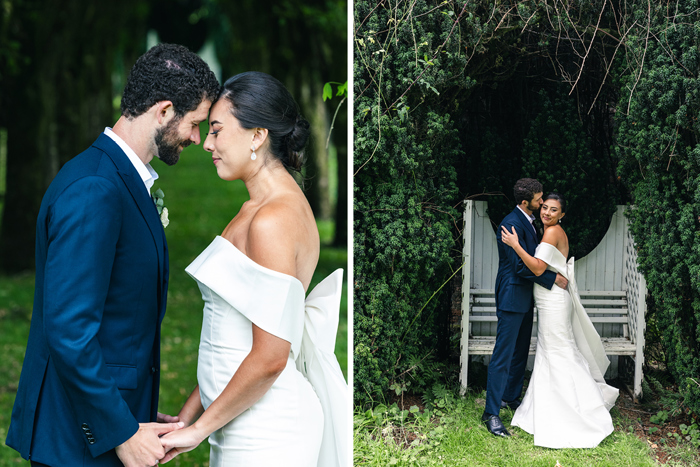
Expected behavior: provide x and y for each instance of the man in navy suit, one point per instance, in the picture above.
(88, 393)
(514, 307)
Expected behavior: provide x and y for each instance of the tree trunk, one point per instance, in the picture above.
(56, 103)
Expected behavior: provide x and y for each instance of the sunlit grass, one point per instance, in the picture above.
(451, 434)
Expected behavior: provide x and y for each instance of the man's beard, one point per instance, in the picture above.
(168, 143)
(532, 207)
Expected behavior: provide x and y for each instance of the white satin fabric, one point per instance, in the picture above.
(567, 401)
(301, 421)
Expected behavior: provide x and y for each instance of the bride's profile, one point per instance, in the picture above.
(270, 391)
(567, 401)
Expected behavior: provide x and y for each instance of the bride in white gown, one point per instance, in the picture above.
(270, 390)
(567, 401)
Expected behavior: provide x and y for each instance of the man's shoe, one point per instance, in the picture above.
(495, 425)
(513, 405)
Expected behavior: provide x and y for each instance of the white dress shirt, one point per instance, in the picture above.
(530, 217)
(148, 175)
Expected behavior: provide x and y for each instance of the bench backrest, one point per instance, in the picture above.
(608, 280)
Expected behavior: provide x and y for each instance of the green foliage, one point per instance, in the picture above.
(441, 108)
(342, 90)
(448, 432)
(557, 152)
(660, 418)
(658, 144)
(405, 147)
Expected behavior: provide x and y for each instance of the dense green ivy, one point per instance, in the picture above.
(557, 152)
(658, 143)
(405, 221)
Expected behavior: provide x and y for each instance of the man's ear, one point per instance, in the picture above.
(164, 112)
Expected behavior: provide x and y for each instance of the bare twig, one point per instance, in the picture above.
(437, 51)
(646, 46)
(589, 46)
(328, 140)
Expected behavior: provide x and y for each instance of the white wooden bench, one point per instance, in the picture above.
(617, 313)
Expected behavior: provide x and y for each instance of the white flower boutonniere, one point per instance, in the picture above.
(160, 205)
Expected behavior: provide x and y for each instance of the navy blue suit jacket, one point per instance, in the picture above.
(514, 280)
(91, 370)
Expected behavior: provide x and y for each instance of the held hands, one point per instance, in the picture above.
(510, 239)
(145, 448)
(180, 441)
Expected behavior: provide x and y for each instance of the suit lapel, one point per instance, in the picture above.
(527, 227)
(134, 184)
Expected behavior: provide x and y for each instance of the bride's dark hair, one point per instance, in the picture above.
(556, 196)
(260, 101)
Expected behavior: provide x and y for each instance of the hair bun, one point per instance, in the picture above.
(299, 134)
(296, 141)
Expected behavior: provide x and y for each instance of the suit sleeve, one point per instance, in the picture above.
(547, 278)
(83, 229)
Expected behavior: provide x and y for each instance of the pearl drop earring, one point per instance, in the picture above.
(253, 156)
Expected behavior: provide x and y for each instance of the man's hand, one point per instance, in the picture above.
(561, 281)
(145, 448)
(165, 418)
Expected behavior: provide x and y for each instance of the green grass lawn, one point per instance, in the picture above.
(200, 205)
(450, 433)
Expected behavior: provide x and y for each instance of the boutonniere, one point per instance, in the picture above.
(160, 205)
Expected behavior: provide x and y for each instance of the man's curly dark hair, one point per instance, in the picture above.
(168, 72)
(525, 189)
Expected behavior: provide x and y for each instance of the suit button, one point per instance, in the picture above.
(153, 370)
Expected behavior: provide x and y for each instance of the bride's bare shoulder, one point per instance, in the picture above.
(278, 232)
(554, 235)
(271, 241)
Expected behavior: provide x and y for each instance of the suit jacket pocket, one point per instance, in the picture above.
(123, 375)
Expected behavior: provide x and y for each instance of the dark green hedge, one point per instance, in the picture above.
(405, 194)
(658, 143)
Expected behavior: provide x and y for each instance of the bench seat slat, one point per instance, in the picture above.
(481, 301)
(612, 346)
(582, 293)
(594, 319)
(611, 311)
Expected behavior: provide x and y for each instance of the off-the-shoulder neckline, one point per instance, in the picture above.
(551, 246)
(257, 265)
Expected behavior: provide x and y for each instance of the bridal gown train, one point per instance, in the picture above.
(567, 402)
(301, 420)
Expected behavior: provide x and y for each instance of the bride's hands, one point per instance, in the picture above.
(510, 239)
(183, 440)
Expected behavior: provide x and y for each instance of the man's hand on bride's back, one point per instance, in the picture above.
(561, 281)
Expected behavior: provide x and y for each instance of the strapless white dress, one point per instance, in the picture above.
(302, 420)
(567, 401)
